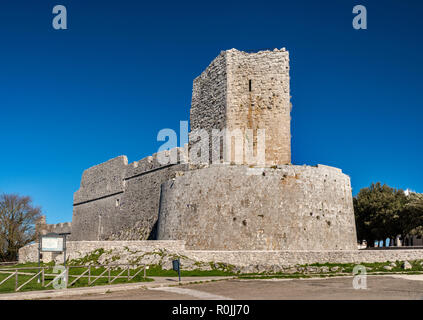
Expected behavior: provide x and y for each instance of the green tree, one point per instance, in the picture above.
(17, 224)
(379, 212)
(412, 222)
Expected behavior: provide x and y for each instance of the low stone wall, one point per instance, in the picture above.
(80, 249)
(291, 258)
(162, 252)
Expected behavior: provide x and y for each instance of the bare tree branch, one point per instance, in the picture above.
(17, 224)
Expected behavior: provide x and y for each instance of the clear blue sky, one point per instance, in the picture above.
(123, 70)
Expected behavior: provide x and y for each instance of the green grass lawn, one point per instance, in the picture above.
(9, 285)
(157, 271)
(152, 271)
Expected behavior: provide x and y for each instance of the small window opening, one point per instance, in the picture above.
(249, 85)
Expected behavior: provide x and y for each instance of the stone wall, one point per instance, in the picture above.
(208, 103)
(259, 98)
(291, 258)
(63, 227)
(151, 252)
(42, 227)
(225, 207)
(120, 201)
(80, 249)
(208, 106)
(240, 91)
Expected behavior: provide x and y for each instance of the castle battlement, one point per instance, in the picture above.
(223, 205)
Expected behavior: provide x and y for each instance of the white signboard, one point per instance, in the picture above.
(54, 244)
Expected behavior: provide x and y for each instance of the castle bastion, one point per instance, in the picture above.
(215, 203)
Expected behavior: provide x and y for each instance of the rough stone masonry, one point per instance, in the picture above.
(229, 209)
(239, 91)
(224, 206)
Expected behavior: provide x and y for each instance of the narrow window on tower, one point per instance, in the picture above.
(249, 85)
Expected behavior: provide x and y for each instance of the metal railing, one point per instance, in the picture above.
(40, 275)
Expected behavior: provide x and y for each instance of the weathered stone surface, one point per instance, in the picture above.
(208, 103)
(225, 207)
(407, 265)
(267, 105)
(240, 90)
(246, 261)
(102, 180)
(118, 201)
(324, 269)
(42, 227)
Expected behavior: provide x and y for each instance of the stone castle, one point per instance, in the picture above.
(231, 199)
(231, 204)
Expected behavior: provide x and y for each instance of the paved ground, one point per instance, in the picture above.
(378, 287)
(100, 290)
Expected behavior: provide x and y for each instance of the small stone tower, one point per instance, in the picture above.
(241, 91)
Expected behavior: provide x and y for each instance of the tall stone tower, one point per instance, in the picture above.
(241, 91)
(234, 207)
(228, 206)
